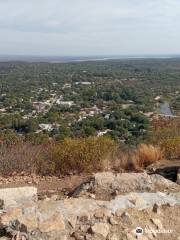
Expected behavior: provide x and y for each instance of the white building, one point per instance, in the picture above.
(46, 127)
(101, 133)
(65, 103)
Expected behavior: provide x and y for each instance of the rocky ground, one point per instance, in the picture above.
(103, 206)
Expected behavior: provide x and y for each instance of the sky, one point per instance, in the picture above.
(89, 27)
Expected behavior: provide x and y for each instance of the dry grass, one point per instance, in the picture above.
(137, 159)
(171, 147)
(83, 155)
(68, 156)
(75, 156)
(148, 154)
(21, 157)
(166, 134)
(125, 161)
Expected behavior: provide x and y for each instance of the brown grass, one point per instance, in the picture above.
(75, 156)
(171, 147)
(148, 154)
(125, 160)
(21, 157)
(166, 134)
(68, 156)
(83, 155)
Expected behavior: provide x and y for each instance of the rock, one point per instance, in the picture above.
(119, 212)
(115, 193)
(27, 215)
(126, 218)
(84, 218)
(91, 195)
(83, 187)
(84, 228)
(1, 204)
(130, 237)
(53, 222)
(136, 200)
(113, 221)
(157, 223)
(77, 235)
(54, 197)
(50, 217)
(30, 216)
(145, 200)
(12, 214)
(178, 176)
(130, 182)
(156, 208)
(72, 221)
(100, 228)
(13, 196)
(102, 213)
(94, 237)
(170, 204)
(17, 230)
(113, 236)
(99, 214)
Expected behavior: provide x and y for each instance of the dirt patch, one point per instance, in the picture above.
(47, 186)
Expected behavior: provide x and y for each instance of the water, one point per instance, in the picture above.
(165, 109)
(61, 59)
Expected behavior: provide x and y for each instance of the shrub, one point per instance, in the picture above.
(166, 134)
(148, 154)
(20, 157)
(82, 155)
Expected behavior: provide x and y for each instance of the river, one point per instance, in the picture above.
(165, 109)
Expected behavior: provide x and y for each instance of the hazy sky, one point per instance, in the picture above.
(89, 27)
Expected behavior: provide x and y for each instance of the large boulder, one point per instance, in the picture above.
(131, 182)
(50, 217)
(166, 168)
(14, 196)
(100, 228)
(106, 185)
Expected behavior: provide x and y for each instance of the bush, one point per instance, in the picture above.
(166, 134)
(20, 157)
(82, 155)
(76, 156)
(148, 154)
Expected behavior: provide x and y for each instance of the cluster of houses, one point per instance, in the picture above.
(89, 112)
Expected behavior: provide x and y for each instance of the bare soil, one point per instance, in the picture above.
(47, 185)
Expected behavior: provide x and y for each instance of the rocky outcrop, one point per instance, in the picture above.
(166, 168)
(88, 218)
(14, 196)
(107, 185)
(76, 217)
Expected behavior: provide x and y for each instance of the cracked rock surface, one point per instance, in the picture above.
(82, 217)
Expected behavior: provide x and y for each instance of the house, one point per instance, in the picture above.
(66, 85)
(65, 103)
(83, 83)
(46, 127)
(101, 133)
(157, 98)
